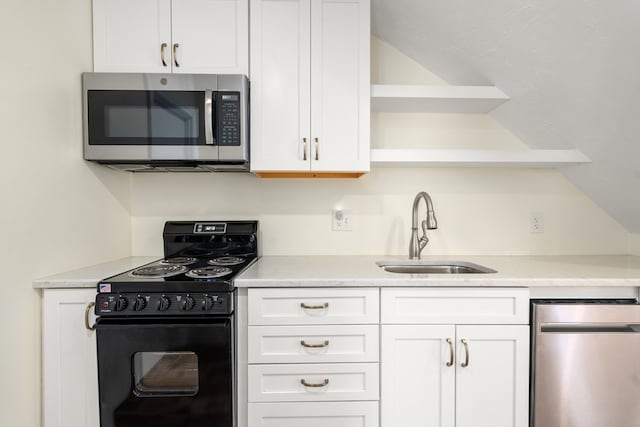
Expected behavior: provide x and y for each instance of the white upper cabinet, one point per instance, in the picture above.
(212, 35)
(164, 36)
(310, 63)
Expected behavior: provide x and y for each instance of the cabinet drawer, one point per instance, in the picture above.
(313, 306)
(313, 382)
(459, 306)
(313, 344)
(314, 414)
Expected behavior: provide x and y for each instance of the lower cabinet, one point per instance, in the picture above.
(438, 373)
(454, 375)
(69, 363)
(313, 357)
(389, 357)
(314, 414)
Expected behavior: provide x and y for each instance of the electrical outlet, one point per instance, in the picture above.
(341, 220)
(537, 223)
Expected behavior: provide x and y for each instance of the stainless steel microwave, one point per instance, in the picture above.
(166, 122)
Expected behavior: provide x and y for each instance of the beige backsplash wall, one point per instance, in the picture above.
(480, 211)
(634, 244)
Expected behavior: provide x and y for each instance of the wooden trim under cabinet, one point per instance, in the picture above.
(309, 175)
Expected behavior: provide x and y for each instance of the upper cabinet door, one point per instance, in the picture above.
(340, 90)
(280, 85)
(164, 36)
(132, 36)
(310, 80)
(210, 36)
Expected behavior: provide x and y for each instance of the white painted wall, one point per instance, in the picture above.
(634, 244)
(58, 213)
(480, 211)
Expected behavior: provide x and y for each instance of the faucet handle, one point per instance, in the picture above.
(424, 239)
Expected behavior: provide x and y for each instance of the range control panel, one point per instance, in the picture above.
(163, 304)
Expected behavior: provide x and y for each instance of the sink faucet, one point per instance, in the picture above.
(417, 245)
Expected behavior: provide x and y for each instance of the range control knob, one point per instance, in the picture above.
(139, 303)
(207, 303)
(121, 303)
(188, 303)
(164, 303)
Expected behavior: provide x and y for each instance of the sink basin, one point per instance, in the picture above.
(433, 267)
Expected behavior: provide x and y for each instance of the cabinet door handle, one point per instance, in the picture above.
(175, 54)
(87, 310)
(324, 344)
(163, 46)
(317, 148)
(304, 149)
(466, 353)
(451, 352)
(322, 384)
(314, 307)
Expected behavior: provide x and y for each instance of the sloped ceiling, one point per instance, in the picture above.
(571, 68)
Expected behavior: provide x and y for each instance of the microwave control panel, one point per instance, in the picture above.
(229, 120)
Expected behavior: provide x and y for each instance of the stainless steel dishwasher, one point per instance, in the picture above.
(585, 368)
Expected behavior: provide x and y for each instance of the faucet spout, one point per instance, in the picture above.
(416, 245)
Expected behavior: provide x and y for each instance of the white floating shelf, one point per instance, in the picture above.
(436, 99)
(476, 158)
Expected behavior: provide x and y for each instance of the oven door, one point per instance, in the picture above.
(166, 373)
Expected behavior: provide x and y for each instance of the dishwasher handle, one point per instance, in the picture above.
(589, 328)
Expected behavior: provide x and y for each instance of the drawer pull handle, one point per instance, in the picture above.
(466, 353)
(324, 344)
(450, 362)
(322, 384)
(314, 307)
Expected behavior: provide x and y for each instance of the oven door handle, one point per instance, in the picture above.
(87, 310)
(208, 119)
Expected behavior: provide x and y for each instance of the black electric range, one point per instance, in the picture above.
(166, 331)
(195, 277)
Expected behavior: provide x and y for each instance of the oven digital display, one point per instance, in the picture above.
(210, 228)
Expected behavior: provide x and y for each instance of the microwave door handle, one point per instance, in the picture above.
(208, 120)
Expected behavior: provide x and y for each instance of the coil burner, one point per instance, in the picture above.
(179, 260)
(158, 271)
(226, 261)
(209, 272)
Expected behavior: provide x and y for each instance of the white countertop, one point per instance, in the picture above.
(89, 277)
(524, 271)
(310, 271)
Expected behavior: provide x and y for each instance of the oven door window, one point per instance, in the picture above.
(165, 373)
(141, 117)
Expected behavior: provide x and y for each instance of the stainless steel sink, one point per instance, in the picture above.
(433, 267)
